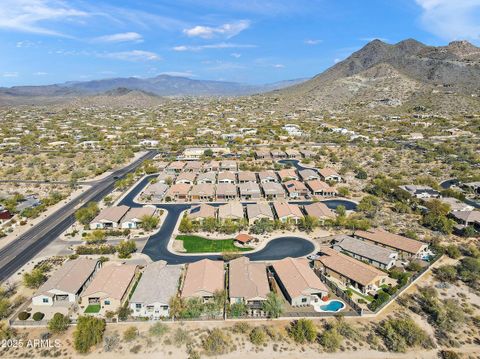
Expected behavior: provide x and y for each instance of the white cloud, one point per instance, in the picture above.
(30, 15)
(279, 66)
(40, 73)
(312, 42)
(133, 55)
(337, 60)
(121, 37)
(10, 74)
(221, 45)
(226, 30)
(236, 55)
(451, 20)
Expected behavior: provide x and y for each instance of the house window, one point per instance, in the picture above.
(45, 300)
(138, 306)
(304, 300)
(107, 302)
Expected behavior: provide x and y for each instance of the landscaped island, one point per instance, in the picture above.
(196, 244)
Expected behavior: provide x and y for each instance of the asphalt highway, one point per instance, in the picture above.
(28, 245)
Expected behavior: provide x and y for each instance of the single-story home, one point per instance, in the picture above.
(267, 176)
(178, 192)
(406, 247)
(288, 174)
(212, 166)
(293, 153)
(158, 284)
(227, 177)
(202, 192)
(175, 167)
(273, 190)
(248, 283)
(287, 211)
(309, 175)
(247, 176)
(110, 287)
(320, 188)
(456, 205)
(232, 210)
(307, 153)
(166, 178)
(186, 178)
(201, 212)
(262, 154)
(365, 251)
(207, 177)
(226, 192)
(467, 218)
(193, 166)
(249, 190)
(257, 211)
(203, 279)
(133, 218)
(319, 210)
(228, 165)
(67, 283)
(349, 271)
(329, 174)
(156, 191)
(298, 282)
(421, 191)
(109, 217)
(278, 154)
(296, 189)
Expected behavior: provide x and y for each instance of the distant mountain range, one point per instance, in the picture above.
(162, 85)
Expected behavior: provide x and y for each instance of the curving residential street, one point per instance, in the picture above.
(157, 245)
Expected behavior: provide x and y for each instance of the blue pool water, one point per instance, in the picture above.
(332, 306)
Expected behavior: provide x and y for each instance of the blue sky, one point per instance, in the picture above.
(250, 41)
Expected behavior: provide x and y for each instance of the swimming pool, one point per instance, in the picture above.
(330, 306)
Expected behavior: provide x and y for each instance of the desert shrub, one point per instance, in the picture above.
(181, 337)
(453, 251)
(303, 330)
(257, 336)
(135, 349)
(241, 327)
(158, 329)
(23, 315)
(448, 354)
(381, 298)
(446, 273)
(37, 316)
(111, 342)
(89, 332)
(330, 339)
(216, 342)
(59, 323)
(400, 334)
(130, 334)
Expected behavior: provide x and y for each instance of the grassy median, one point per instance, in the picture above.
(196, 244)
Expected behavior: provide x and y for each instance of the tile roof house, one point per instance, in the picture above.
(164, 177)
(320, 188)
(226, 192)
(175, 167)
(293, 153)
(262, 154)
(201, 212)
(307, 153)
(67, 283)
(288, 174)
(159, 283)
(309, 175)
(227, 177)
(228, 165)
(178, 192)
(406, 247)
(249, 190)
(110, 287)
(232, 210)
(329, 174)
(287, 211)
(296, 189)
(248, 282)
(467, 218)
(193, 166)
(267, 176)
(456, 205)
(133, 218)
(365, 251)
(298, 282)
(273, 190)
(278, 154)
(109, 217)
(186, 177)
(319, 211)
(247, 176)
(257, 211)
(213, 166)
(203, 279)
(349, 271)
(202, 192)
(207, 177)
(155, 191)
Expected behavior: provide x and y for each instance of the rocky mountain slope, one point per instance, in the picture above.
(406, 74)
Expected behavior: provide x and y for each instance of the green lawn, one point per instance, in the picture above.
(92, 308)
(196, 244)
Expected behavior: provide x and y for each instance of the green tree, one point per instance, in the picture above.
(303, 330)
(308, 223)
(35, 278)
(369, 205)
(86, 214)
(273, 306)
(89, 332)
(59, 323)
(125, 248)
(149, 223)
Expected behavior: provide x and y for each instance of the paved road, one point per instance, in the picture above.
(26, 246)
(157, 245)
